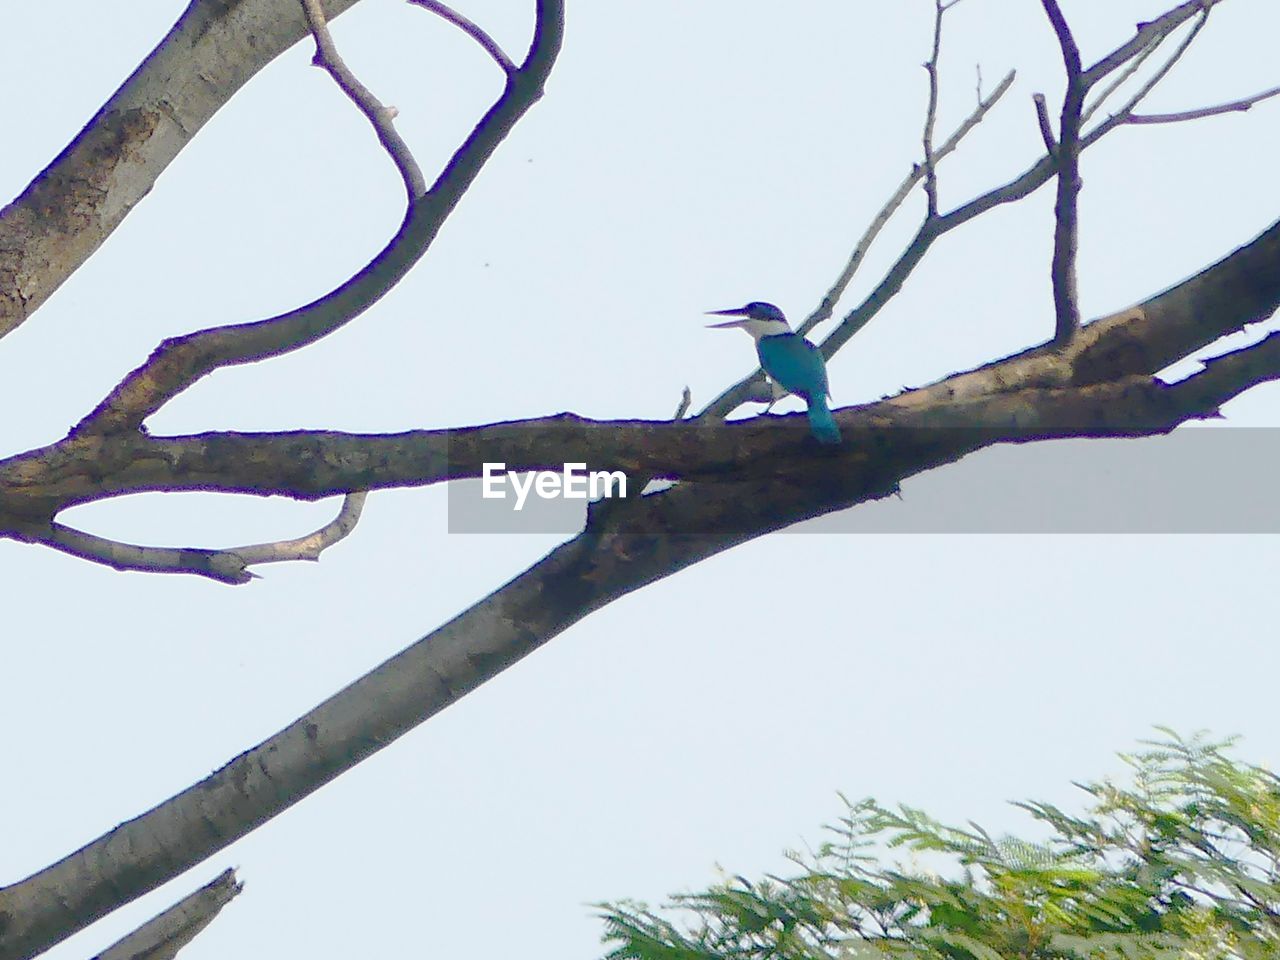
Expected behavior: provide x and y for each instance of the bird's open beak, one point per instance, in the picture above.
(736, 312)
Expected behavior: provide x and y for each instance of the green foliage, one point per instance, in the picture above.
(1183, 863)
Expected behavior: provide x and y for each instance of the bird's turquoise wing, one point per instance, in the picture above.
(795, 363)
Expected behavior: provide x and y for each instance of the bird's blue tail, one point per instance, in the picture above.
(821, 422)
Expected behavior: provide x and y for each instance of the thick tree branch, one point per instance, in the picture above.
(1241, 289)
(179, 362)
(75, 203)
(472, 30)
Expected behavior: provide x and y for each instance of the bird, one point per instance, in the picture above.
(791, 361)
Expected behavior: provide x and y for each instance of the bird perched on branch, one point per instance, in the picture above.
(791, 361)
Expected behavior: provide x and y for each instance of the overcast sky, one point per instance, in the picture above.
(687, 157)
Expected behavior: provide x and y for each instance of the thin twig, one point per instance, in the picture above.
(471, 29)
(1235, 106)
(931, 113)
(1046, 127)
(824, 309)
(381, 117)
(1066, 301)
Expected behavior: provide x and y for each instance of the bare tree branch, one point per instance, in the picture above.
(164, 935)
(475, 32)
(220, 565)
(1066, 300)
(1234, 106)
(1132, 67)
(1120, 116)
(76, 202)
(1146, 34)
(226, 565)
(179, 362)
(326, 56)
(931, 113)
(311, 546)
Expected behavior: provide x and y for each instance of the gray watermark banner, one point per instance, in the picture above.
(1200, 480)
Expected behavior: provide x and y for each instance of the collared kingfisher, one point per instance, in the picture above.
(791, 361)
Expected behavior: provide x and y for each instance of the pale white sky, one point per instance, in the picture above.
(687, 156)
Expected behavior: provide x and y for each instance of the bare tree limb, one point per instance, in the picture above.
(226, 565)
(381, 117)
(1146, 34)
(1066, 300)
(1234, 106)
(931, 113)
(220, 565)
(165, 934)
(79, 199)
(180, 361)
(311, 546)
(472, 30)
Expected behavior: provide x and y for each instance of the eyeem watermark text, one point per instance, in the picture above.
(574, 482)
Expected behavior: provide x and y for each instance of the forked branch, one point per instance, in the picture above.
(179, 362)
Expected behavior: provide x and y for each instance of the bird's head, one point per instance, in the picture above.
(758, 318)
